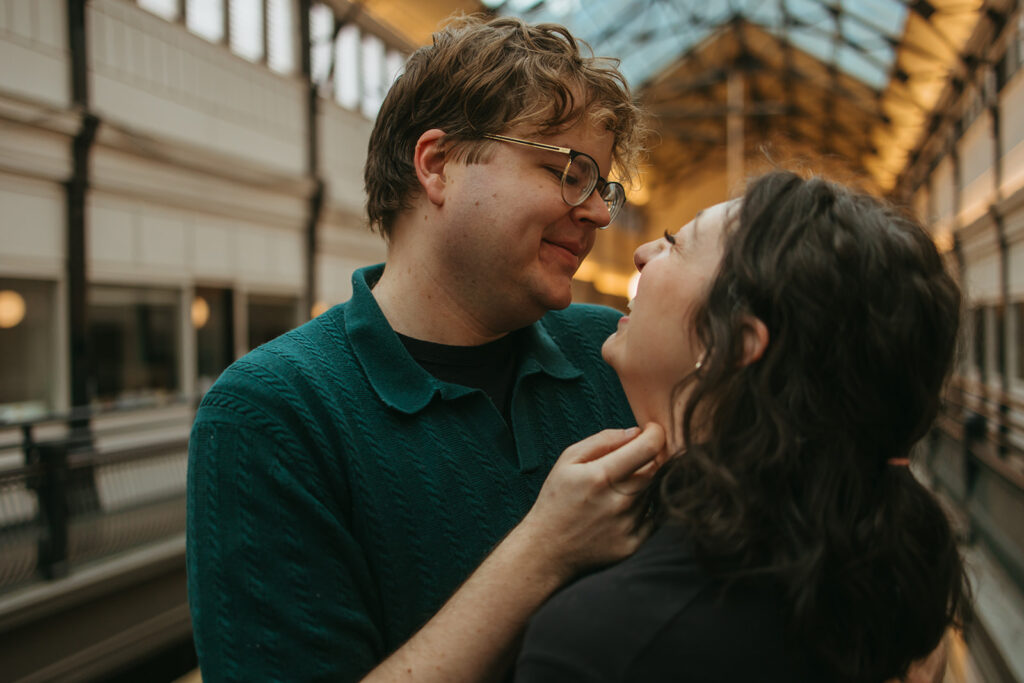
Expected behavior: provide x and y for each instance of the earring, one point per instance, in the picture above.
(699, 364)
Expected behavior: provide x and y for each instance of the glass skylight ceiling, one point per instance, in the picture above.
(858, 36)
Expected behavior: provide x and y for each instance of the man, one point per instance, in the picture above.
(346, 478)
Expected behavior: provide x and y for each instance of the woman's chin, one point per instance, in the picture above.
(608, 349)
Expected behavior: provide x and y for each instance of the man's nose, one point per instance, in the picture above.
(594, 210)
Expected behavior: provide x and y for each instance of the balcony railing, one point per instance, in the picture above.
(82, 493)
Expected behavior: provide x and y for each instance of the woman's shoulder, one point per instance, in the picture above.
(655, 617)
(594, 629)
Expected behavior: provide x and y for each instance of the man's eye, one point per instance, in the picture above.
(557, 172)
(572, 179)
(671, 239)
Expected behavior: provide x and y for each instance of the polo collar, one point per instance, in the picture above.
(399, 380)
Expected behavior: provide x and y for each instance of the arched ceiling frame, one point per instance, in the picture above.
(887, 59)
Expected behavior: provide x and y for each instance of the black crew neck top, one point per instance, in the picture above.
(490, 367)
(659, 617)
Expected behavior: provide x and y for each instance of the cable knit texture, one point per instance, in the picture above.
(338, 494)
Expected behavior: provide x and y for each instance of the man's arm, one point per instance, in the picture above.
(584, 517)
(279, 588)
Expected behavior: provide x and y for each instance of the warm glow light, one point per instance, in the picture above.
(12, 308)
(587, 271)
(319, 308)
(610, 282)
(639, 196)
(943, 241)
(605, 281)
(200, 312)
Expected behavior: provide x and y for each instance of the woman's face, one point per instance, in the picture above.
(655, 346)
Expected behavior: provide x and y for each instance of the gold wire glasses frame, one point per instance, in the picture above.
(577, 187)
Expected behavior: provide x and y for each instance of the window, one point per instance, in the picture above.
(280, 36)
(246, 26)
(270, 317)
(999, 319)
(346, 67)
(373, 75)
(1013, 57)
(393, 64)
(205, 18)
(321, 31)
(27, 350)
(133, 334)
(168, 9)
(1018, 309)
(213, 320)
(979, 341)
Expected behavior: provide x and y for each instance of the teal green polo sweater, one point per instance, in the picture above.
(338, 494)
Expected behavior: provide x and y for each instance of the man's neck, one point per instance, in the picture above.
(419, 304)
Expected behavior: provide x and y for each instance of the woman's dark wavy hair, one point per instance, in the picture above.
(790, 480)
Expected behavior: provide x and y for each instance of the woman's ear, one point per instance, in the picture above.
(755, 339)
(429, 160)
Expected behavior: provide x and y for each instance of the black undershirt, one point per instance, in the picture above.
(490, 367)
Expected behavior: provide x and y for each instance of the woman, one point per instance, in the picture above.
(793, 345)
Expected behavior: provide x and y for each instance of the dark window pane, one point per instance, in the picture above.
(133, 334)
(26, 348)
(1019, 341)
(1000, 332)
(212, 318)
(269, 317)
(979, 342)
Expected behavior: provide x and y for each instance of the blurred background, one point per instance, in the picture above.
(181, 181)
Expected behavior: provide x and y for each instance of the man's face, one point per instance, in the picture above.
(512, 244)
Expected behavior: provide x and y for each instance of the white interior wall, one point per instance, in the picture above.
(31, 227)
(977, 169)
(156, 77)
(1011, 102)
(33, 36)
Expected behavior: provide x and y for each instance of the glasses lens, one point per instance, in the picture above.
(579, 180)
(614, 197)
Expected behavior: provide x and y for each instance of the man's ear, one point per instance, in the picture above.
(429, 160)
(755, 339)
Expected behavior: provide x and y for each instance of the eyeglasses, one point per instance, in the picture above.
(580, 177)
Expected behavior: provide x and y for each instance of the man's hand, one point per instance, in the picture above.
(585, 515)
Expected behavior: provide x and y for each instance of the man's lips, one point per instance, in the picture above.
(575, 248)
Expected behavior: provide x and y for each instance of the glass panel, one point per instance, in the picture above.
(26, 348)
(134, 336)
(205, 18)
(346, 66)
(855, 35)
(998, 313)
(321, 26)
(394, 63)
(281, 36)
(168, 9)
(372, 64)
(247, 29)
(1019, 341)
(270, 317)
(212, 317)
(979, 341)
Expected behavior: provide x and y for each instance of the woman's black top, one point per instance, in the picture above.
(658, 616)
